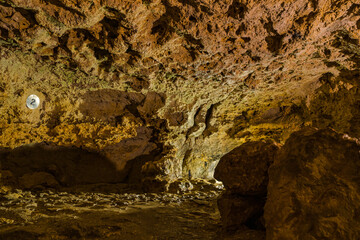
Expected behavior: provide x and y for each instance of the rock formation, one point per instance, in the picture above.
(197, 77)
(243, 172)
(313, 190)
(153, 93)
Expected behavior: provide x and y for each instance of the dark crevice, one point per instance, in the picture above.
(354, 9)
(111, 27)
(269, 27)
(237, 10)
(274, 43)
(240, 29)
(135, 55)
(28, 14)
(190, 39)
(206, 10)
(4, 33)
(191, 3)
(163, 27)
(5, 4)
(115, 13)
(209, 28)
(314, 4)
(62, 5)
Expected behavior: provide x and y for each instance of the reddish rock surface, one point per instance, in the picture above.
(204, 76)
(157, 91)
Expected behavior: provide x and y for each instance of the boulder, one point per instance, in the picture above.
(244, 169)
(243, 172)
(313, 190)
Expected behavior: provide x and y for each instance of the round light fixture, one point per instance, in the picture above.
(33, 101)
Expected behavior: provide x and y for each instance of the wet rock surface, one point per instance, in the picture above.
(313, 190)
(90, 215)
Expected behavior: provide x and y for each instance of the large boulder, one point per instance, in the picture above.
(244, 169)
(313, 190)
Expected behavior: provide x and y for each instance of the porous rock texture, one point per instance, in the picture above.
(244, 173)
(161, 89)
(313, 190)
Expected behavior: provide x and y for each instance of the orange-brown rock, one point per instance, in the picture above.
(205, 76)
(313, 190)
(158, 91)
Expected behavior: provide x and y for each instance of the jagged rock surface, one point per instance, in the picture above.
(313, 190)
(170, 86)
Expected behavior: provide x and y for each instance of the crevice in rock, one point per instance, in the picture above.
(58, 3)
(274, 43)
(237, 10)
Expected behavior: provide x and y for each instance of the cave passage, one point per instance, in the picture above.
(62, 192)
(119, 119)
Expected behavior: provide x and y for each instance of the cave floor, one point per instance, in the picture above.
(48, 214)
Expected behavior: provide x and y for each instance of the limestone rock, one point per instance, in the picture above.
(244, 169)
(157, 184)
(313, 190)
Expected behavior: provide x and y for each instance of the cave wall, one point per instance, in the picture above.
(178, 83)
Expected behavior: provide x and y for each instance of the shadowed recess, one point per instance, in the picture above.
(45, 165)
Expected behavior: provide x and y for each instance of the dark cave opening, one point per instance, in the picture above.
(43, 165)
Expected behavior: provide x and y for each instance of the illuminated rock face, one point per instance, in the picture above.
(167, 87)
(155, 92)
(313, 190)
